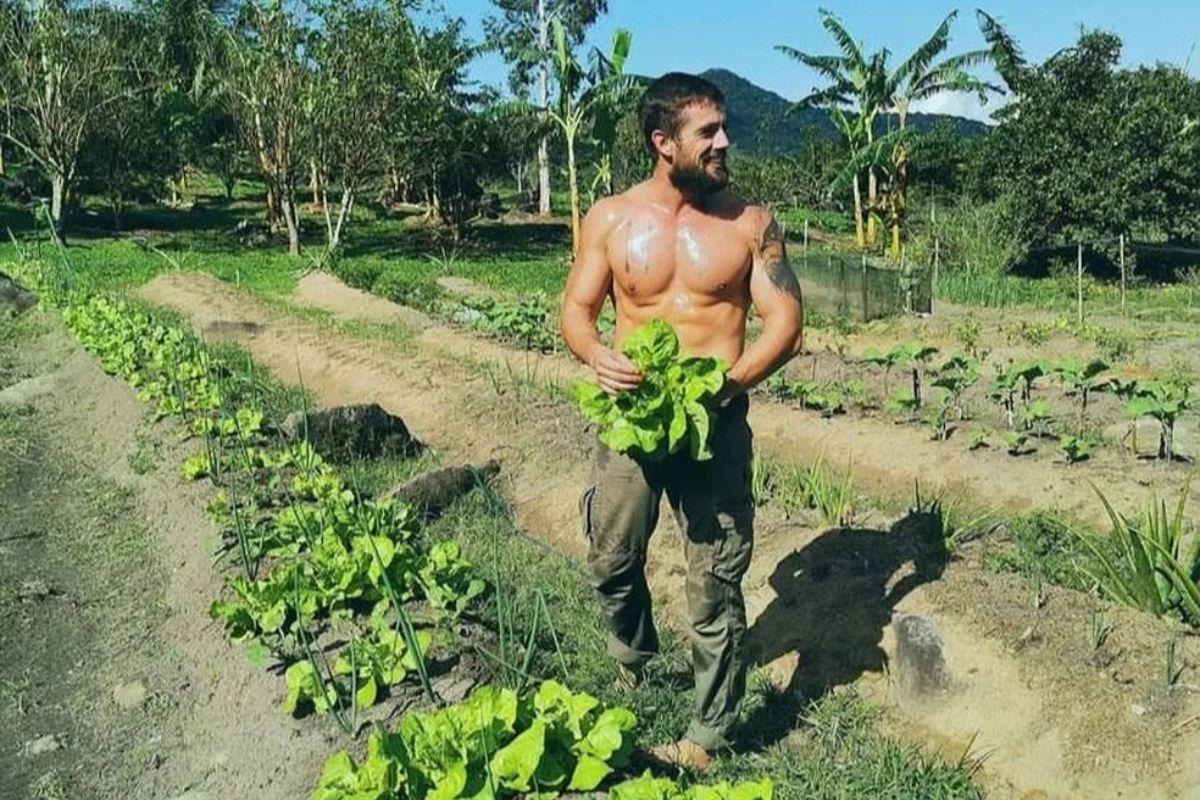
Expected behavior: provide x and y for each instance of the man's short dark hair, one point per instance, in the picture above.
(664, 100)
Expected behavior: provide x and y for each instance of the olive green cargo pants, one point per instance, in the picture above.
(713, 505)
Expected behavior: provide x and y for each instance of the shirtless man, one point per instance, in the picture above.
(681, 247)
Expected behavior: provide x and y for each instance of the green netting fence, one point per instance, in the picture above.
(846, 285)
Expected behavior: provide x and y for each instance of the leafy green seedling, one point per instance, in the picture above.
(1075, 448)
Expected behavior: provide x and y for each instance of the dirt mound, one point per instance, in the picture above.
(324, 291)
(1051, 723)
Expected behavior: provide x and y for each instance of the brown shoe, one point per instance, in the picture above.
(684, 754)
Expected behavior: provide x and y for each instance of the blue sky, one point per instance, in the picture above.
(740, 35)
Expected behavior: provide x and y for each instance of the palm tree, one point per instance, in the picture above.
(864, 83)
(855, 80)
(1005, 54)
(920, 77)
(582, 95)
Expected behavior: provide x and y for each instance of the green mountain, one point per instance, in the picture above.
(758, 122)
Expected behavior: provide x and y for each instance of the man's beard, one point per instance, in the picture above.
(694, 180)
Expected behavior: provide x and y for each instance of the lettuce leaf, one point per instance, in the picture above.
(667, 413)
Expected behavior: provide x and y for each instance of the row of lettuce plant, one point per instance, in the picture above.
(326, 581)
(313, 559)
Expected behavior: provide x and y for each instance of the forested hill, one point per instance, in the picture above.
(757, 121)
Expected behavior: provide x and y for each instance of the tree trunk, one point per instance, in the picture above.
(872, 200)
(2, 165)
(315, 181)
(272, 204)
(544, 177)
(574, 187)
(291, 217)
(58, 191)
(896, 205)
(344, 212)
(544, 101)
(858, 215)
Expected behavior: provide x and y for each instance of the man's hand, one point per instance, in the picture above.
(729, 389)
(614, 372)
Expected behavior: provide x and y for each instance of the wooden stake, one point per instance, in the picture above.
(1079, 285)
(806, 238)
(1122, 259)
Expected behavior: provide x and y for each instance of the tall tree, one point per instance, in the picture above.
(353, 101)
(186, 34)
(1086, 149)
(523, 34)
(265, 79)
(854, 95)
(919, 77)
(132, 154)
(63, 76)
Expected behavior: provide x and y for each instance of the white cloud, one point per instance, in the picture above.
(960, 104)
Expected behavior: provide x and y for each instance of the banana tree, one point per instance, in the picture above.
(919, 78)
(855, 81)
(864, 82)
(582, 95)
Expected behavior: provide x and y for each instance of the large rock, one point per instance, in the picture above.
(920, 667)
(350, 432)
(14, 298)
(432, 492)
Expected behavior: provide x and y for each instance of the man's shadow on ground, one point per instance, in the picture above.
(833, 599)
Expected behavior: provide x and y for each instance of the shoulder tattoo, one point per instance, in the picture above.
(773, 255)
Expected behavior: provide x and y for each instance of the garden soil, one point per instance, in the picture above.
(118, 662)
(1048, 716)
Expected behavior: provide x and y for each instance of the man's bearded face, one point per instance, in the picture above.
(699, 167)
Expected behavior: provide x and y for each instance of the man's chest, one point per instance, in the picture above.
(651, 252)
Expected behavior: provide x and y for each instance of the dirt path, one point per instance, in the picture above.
(1054, 720)
(887, 458)
(167, 707)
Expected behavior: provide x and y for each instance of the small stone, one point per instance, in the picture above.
(454, 689)
(14, 298)
(129, 695)
(781, 672)
(1137, 709)
(46, 744)
(920, 663)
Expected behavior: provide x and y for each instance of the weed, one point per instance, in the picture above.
(977, 438)
(1172, 669)
(1041, 547)
(1099, 629)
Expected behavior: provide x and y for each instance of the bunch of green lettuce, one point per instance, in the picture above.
(495, 744)
(667, 412)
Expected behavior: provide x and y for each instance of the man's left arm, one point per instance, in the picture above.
(775, 294)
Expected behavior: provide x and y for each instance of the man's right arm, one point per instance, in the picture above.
(588, 284)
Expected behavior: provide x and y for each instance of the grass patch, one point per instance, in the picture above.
(827, 748)
(1173, 302)
(1041, 548)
